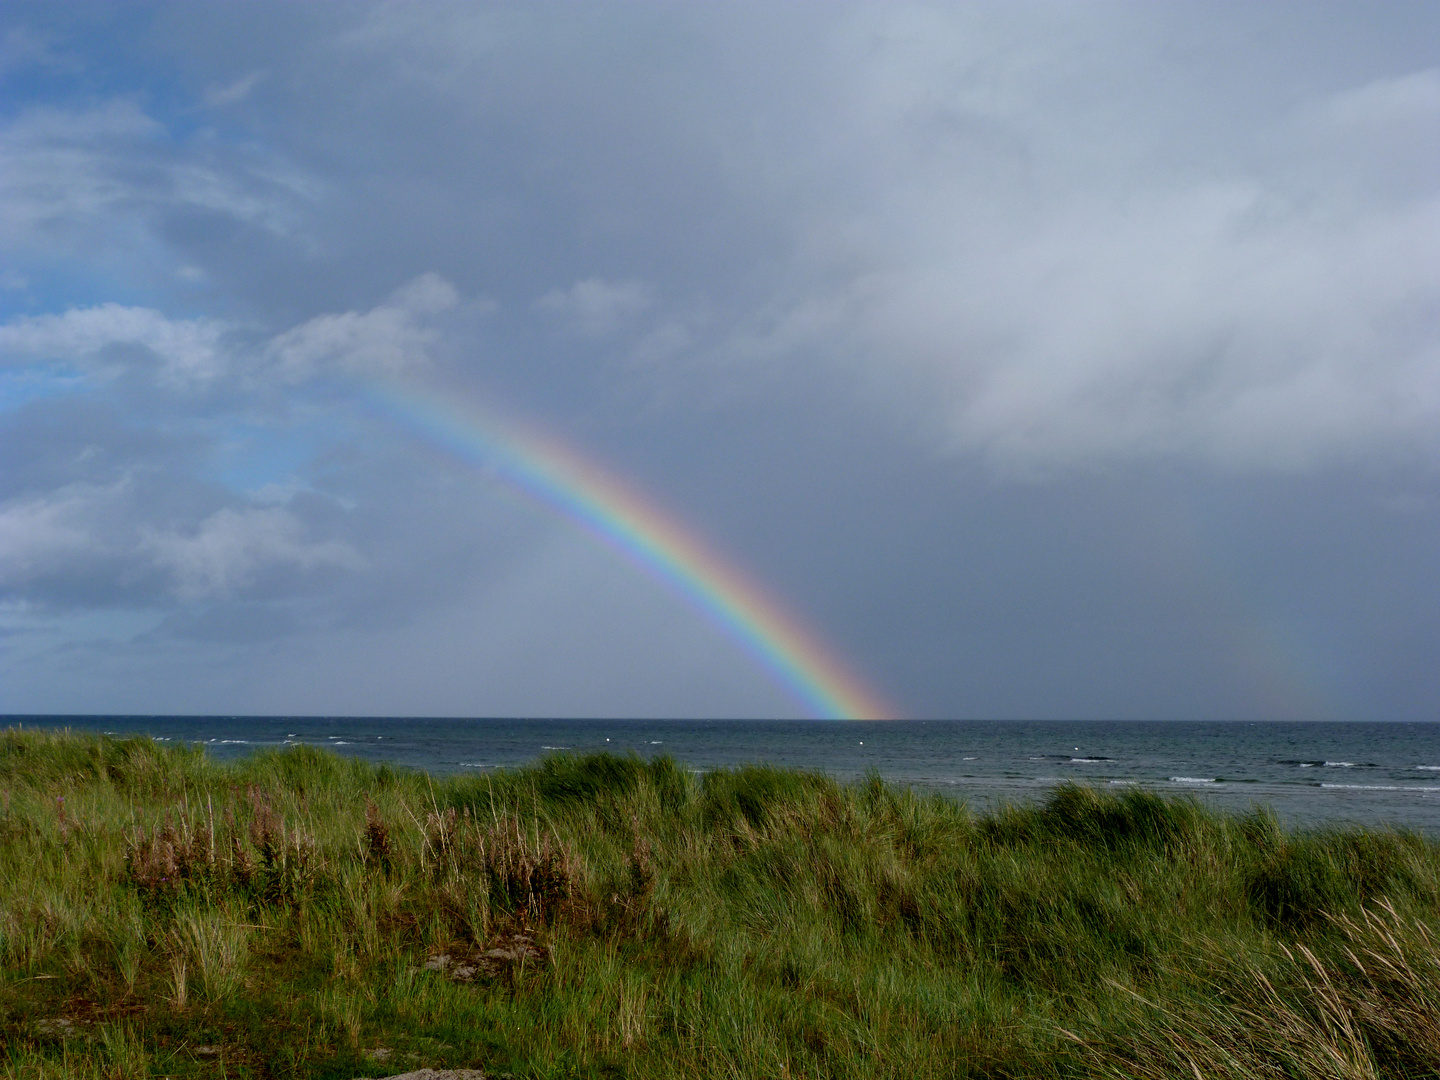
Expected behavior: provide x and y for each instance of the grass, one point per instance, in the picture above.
(300, 914)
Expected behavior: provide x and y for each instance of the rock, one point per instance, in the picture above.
(504, 952)
(61, 1027)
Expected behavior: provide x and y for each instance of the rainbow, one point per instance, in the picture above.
(550, 472)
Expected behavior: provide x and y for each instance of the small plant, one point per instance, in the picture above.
(442, 841)
(242, 862)
(213, 947)
(162, 862)
(125, 1055)
(378, 849)
(530, 878)
(62, 822)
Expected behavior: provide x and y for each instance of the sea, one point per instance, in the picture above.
(1309, 773)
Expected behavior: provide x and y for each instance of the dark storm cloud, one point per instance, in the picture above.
(1047, 244)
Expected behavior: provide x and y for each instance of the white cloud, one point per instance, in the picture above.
(22, 47)
(995, 254)
(1176, 327)
(82, 179)
(597, 307)
(385, 340)
(188, 350)
(39, 534)
(58, 168)
(218, 96)
(79, 527)
(231, 547)
(1404, 99)
(392, 337)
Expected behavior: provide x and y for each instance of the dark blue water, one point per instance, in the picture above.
(1310, 773)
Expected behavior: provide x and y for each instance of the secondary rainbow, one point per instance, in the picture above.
(547, 470)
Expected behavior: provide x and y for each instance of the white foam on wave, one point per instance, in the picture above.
(1339, 764)
(473, 765)
(233, 742)
(341, 742)
(560, 747)
(1381, 787)
(1429, 768)
(969, 759)
(1194, 780)
(1087, 760)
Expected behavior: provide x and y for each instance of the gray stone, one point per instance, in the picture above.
(505, 952)
(62, 1027)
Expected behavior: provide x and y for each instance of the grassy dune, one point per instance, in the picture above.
(300, 914)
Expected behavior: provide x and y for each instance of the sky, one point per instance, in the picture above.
(1072, 360)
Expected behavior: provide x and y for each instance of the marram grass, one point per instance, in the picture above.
(297, 914)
